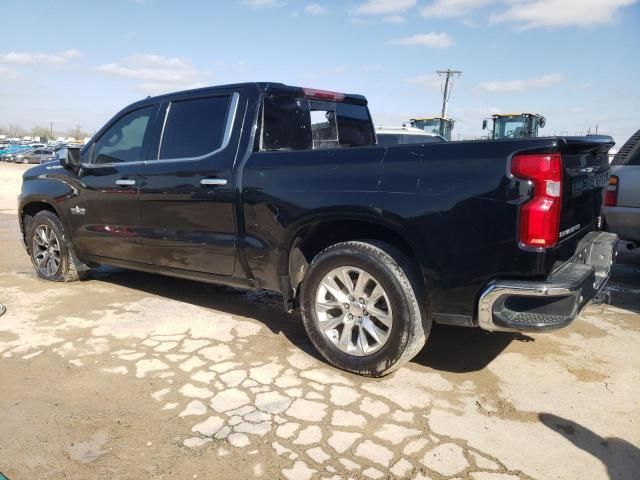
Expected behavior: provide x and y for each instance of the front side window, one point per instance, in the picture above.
(123, 141)
(194, 127)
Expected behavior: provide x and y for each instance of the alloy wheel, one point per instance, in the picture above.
(46, 250)
(353, 311)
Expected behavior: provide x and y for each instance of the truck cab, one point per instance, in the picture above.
(515, 125)
(436, 125)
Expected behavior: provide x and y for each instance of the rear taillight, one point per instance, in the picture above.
(611, 193)
(323, 95)
(540, 216)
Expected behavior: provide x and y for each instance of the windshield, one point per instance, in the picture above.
(513, 126)
(429, 125)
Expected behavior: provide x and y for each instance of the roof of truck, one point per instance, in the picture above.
(271, 87)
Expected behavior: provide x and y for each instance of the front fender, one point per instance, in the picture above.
(44, 188)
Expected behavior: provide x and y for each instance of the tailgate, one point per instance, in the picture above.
(586, 173)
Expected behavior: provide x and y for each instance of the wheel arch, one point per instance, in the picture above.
(29, 208)
(310, 237)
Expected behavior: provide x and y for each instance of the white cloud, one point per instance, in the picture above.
(529, 14)
(315, 9)
(340, 70)
(453, 8)
(264, 3)
(36, 58)
(155, 73)
(149, 60)
(511, 86)
(8, 73)
(431, 80)
(376, 67)
(384, 7)
(431, 39)
(393, 19)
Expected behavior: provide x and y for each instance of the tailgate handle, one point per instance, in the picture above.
(213, 181)
(125, 182)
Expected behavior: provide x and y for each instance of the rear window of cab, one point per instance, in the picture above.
(290, 123)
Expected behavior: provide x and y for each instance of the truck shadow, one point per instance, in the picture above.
(624, 287)
(463, 349)
(451, 349)
(621, 458)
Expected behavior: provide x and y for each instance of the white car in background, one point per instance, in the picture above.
(622, 197)
(389, 136)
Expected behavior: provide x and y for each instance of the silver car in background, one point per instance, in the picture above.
(622, 197)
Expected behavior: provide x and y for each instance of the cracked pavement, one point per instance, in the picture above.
(131, 375)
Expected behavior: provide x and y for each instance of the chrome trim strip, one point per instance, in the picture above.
(125, 182)
(213, 181)
(164, 124)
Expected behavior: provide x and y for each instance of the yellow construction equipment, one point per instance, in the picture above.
(515, 125)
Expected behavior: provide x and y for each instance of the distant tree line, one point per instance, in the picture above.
(43, 132)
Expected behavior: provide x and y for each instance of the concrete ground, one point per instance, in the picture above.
(130, 376)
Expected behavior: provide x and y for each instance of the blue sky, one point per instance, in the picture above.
(575, 61)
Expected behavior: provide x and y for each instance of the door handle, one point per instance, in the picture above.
(213, 181)
(125, 182)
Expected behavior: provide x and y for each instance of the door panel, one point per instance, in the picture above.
(109, 224)
(187, 204)
(106, 218)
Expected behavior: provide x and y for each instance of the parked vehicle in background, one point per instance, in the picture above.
(268, 186)
(514, 125)
(33, 156)
(389, 136)
(7, 155)
(436, 125)
(622, 197)
(56, 156)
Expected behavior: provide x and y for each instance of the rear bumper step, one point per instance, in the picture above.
(513, 305)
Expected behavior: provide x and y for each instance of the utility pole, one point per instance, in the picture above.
(51, 130)
(448, 75)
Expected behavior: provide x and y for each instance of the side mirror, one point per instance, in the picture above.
(542, 122)
(484, 124)
(71, 159)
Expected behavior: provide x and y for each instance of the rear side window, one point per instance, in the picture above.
(123, 141)
(194, 127)
(302, 124)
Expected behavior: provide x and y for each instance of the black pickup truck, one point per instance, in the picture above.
(267, 186)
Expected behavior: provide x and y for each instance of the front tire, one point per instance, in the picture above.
(51, 256)
(360, 307)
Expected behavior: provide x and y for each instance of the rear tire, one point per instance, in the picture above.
(51, 255)
(370, 326)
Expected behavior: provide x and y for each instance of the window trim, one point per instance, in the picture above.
(226, 136)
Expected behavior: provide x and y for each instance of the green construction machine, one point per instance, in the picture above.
(514, 125)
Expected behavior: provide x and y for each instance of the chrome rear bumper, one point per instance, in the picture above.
(512, 305)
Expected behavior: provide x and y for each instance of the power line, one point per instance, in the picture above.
(449, 76)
